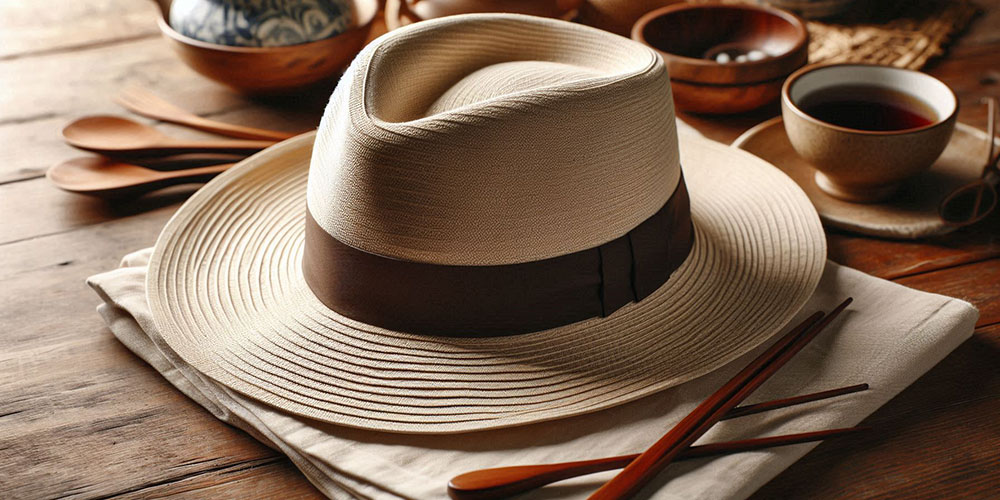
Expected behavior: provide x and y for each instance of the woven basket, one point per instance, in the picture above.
(901, 33)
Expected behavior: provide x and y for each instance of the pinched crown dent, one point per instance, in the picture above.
(494, 139)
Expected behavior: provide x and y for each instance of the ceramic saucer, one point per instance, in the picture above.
(911, 213)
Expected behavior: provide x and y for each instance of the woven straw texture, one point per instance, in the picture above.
(226, 287)
(901, 33)
(492, 142)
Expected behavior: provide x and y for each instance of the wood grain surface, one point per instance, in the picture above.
(81, 417)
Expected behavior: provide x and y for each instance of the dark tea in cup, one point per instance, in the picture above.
(867, 107)
(866, 128)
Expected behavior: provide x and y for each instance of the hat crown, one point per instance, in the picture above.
(494, 139)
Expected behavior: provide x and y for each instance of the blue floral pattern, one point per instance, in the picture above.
(261, 23)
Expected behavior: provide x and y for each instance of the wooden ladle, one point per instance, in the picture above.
(106, 178)
(116, 136)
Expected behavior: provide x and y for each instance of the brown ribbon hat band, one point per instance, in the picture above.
(434, 299)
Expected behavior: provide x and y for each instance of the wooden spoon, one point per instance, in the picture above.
(112, 135)
(186, 160)
(148, 104)
(107, 178)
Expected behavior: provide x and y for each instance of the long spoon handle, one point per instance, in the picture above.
(143, 102)
(502, 482)
(188, 119)
(191, 175)
(176, 147)
(229, 129)
(200, 171)
(220, 146)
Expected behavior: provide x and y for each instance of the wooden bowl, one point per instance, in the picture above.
(685, 33)
(272, 70)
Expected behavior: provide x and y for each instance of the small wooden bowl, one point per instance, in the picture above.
(272, 70)
(684, 33)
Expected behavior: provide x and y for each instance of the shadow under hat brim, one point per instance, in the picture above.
(226, 290)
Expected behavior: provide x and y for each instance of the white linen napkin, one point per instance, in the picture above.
(888, 338)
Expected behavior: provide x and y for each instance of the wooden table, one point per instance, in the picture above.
(82, 417)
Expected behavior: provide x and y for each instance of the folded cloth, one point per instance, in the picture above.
(888, 339)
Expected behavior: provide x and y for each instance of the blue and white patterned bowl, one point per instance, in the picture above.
(261, 23)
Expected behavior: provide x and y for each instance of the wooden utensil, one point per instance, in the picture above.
(502, 482)
(974, 201)
(186, 160)
(148, 104)
(638, 473)
(273, 70)
(112, 135)
(684, 34)
(742, 411)
(105, 178)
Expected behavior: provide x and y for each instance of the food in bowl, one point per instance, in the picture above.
(261, 23)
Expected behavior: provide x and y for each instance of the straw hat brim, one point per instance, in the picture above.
(226, 290)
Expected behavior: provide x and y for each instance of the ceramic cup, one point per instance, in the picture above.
(261, 23)
(867, 165)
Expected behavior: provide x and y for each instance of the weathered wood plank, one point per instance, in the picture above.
(983, 29)
(79, 82)
(42, 209)
(81, 415)
(278, 480)
(977, 283)
(939, 438)
(33, 27)
(971, 71)
(892, 259)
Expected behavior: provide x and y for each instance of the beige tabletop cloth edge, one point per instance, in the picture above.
(897, 333)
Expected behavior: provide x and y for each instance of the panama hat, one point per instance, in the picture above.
(490, 227)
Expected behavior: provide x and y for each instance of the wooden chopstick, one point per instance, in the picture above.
(499, 482)
(635, 475)
(503, 482)
(729, 447)
(745, 410)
